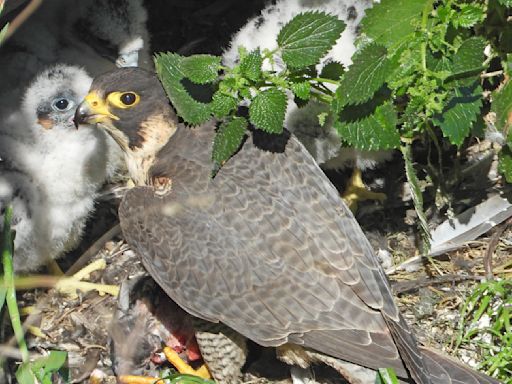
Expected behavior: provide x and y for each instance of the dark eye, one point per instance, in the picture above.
(128, 98)
(62, 104)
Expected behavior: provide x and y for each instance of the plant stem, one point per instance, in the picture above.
(324, 80)
(12, 305)
(433, 137)
(424, 19)
(322, 97)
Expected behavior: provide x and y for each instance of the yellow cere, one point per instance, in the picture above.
(98, 107)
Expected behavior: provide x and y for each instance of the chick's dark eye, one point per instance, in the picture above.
(128, 98)
(61, 104)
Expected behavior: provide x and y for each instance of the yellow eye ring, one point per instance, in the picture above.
(123, 99)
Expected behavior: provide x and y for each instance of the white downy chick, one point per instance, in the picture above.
(51, 172)
(93, 34)
(321, 141)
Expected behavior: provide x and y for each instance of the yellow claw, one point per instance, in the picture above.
(36, 331)
(356, 191)
(69, 285)
(130, 379)
(182, 367)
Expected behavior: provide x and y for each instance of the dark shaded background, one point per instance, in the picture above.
(197, 26)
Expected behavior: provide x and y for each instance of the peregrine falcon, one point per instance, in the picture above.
(50, 172)
(322, 141)
(266, 247)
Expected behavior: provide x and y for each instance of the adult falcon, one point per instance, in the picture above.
(267, 247)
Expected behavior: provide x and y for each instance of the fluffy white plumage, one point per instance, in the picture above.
(50, 171)
(93, 34)
(261, 31)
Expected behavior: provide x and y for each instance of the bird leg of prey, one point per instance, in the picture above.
(356, 191)
(182, 367)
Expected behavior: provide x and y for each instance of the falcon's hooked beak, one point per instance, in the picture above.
(93, 110)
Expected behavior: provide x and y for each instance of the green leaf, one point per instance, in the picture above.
(392, 21)
(308, 37)
(169, 70)
(301, 90)
(250, 65)
(228, 139)
(332, 70)
(223, 104)
(460, 113)
(54, 361)
(388, 376)
(417, 197)
(502, 106)
(376, 131)
(267, 110)
(44, 369)
(24, 374)
(365, 76)
(469, 56)
(507, 65)
(182, 378)
(201, 69)
(505, 163)
(506, 3)
(468, 15)
(322, 118)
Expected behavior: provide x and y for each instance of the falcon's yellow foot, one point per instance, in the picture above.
(32, 329)
(182, 367)
(356, 191)
(130, 379)
(69, 285)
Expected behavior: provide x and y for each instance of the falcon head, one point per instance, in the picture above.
(52, 97)
(131, 105)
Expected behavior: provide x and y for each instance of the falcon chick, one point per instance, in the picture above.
(93, 34)
(323, 142)
(267, 247)
(50, 172)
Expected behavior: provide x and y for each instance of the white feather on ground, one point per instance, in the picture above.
(321, 141)
(50, 171)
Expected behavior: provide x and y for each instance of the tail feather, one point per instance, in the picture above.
(409, 351)
(446, 370)
(431, 367)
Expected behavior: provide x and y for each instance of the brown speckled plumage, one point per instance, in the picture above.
(268, 248)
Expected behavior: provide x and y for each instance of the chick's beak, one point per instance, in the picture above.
(93, 110)
(81, 114)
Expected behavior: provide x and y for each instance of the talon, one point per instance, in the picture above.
(70, 285)
(182, 367)
(36, 331)
(130, 379)
(356, 191)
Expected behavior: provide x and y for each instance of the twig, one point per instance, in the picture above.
(493, 243)
(22, 17)
(94, 249)
(88, 367)
(412, 285)
(491, 74)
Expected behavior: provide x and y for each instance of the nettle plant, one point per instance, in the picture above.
(417, 75)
